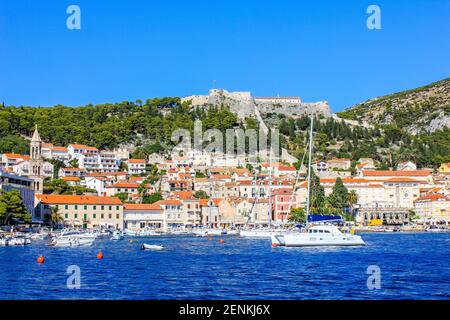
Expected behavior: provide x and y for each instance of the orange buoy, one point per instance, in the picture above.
(100, 255)
(222, 241)
(40, 259)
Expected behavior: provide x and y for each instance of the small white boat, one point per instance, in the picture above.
(216, 232)
(69, 238)
(141, 233)
(259, 233)
(320, 235)
(436, 229)
(19, 239)
(117, 235)
(4, 242)
(146, 246)
(200, 232)
(232, 232)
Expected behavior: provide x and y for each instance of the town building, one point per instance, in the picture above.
(24, 185)
(81, 211)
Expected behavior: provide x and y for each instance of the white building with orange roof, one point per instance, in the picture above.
(173, 212)
(122, 187)
(433, 206)
(444, 168)
(136, 166)
(72, 172)
(72, 181)
(82, 211)
(11, 159)
(143, 216)
(422, 175)
(339, 164)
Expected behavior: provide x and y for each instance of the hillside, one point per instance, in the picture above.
(421, 110)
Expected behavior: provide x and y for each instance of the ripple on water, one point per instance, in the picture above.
(413, 266)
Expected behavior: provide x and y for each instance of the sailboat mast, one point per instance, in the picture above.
(309, 168)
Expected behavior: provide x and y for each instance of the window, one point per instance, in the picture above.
(102, 216)
(95, 207)
(66, 216)
(103, 207)
(76, 207)
(110, 208)
(85, 216)
(85, 207)
(110, 216)
(117, 216)
(75, 215)
(66, 207)
(117, 207)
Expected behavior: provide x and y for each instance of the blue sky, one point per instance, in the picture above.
(127, 50)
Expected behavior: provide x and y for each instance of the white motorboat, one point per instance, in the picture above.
(216, 232)
(200, 232)
(259, 233)
(320, 235)
(436, 229)
(73, 239)
(4, 242)
(232, 232)
(19, 240)
(146, 246)
(141, 233)
(117, 235)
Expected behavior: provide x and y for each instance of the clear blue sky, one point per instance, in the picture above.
(127, 50)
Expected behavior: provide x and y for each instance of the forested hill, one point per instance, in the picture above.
(149, 125)
(424, 109)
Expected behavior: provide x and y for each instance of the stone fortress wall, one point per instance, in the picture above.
(244, 105)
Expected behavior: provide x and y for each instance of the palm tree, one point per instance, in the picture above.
(55, 217)
(352, 199)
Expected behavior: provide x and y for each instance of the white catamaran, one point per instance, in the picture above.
(318, 235)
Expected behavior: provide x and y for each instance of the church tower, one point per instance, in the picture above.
(36, 162)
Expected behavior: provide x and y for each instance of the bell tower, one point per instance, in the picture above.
(36, 162)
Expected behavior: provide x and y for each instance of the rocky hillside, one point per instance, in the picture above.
(421, 110)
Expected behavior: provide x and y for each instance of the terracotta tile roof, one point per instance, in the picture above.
(169, 201)
(17, 156)
(183, 195)
(59, 149)
(386, 173)
(205, 202)
(432, 197)
(82, 146)
(124, 185)
(73, 169)
(287, 168)
(71, 199)
(136, 161)
(71, 178)
(134, 206)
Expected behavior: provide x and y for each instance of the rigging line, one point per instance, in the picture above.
(297, 177)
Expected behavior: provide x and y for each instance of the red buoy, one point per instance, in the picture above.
(100, 255)
(40, 259)
(274, 245)
(222, 241)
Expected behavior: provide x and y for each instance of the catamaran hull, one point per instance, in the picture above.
(305, 240)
